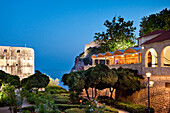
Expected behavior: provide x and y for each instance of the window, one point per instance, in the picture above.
(165, 55)
(5, 50)
(151, 58)
(167, 85)
(18, 51)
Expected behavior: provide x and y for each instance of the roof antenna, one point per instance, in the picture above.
(25, 44)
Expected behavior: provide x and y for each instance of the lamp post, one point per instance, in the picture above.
(148, 75)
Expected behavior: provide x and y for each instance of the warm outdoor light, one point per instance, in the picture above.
(143, 47)
(148, 75)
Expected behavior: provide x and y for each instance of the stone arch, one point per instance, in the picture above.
(151, 58)
(165, 56)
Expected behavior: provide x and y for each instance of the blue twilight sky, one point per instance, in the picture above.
(58, 29)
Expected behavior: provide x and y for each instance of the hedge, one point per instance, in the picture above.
(61, 101)
(113, 110)
(132, 108)
(74, 110)
(78, 110)
(31, 109)
(56, 89)
(63, 107)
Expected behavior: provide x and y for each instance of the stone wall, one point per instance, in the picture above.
(17, 60)
(104, 92)
(159, 94)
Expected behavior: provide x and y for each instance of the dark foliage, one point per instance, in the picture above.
(154, 22)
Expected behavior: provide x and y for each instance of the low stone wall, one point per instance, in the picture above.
(141, 69)
(159, 94)
(130, 66)
(104, 92)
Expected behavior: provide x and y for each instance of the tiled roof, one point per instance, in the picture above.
(162, 37)
(153, 33)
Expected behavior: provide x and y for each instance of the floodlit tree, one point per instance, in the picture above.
(119, 35)
(53, 82)
(6, 78)
(154, 22)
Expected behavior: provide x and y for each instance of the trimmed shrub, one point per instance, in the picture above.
(78, 110)
(61, 101)
(113, 110)
(63, 107)
(31, 109)
(56, 89)
(74, 110)
(132, 108)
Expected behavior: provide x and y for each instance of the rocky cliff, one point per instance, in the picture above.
(78, 65)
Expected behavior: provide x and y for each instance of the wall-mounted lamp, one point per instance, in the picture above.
(143, 47)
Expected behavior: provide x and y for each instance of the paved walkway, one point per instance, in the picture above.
(5, 109)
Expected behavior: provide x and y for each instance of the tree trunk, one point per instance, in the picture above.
(92, 92)
(87, 93)
(111, 92)
(95, 93)
(14, 109)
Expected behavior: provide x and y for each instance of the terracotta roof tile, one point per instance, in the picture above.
(153, 33)
(162, 37)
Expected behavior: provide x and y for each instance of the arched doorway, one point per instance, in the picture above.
(151, 58)
(165, 56)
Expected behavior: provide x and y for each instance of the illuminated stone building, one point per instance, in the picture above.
(151, 55)
(17, 60)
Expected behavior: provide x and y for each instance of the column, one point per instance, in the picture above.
(93, 62)
(113, 60)
(98, 61)
(105, 62)
(138, 57)
(125, 59)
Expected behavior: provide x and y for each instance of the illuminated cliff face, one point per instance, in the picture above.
(17, 60)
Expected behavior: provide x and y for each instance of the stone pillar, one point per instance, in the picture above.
(113, 60)
(125, 59)
(138, 57)
(93, 62)
(105, 62)
(158, 60)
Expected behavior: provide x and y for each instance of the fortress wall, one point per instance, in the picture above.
(17, 60)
